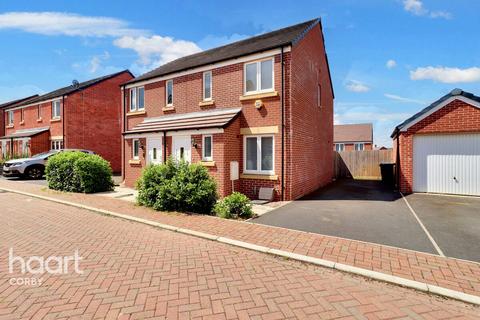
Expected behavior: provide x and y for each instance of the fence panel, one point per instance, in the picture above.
(361, 164)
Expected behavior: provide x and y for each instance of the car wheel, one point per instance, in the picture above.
(34, 172)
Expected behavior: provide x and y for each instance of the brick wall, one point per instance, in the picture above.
(310, 127)
(456, 117)
(2, 123)
(93, 119)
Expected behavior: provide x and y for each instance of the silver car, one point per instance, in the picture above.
(33, 167)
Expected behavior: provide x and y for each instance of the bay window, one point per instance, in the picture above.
(258, 76)
(258, 154)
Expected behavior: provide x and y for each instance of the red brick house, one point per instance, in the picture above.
(353, 137)
(85, 115)
(5, 105)
(438, 149)
(264, 104)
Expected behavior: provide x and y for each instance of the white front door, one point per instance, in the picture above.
(181, 148)
(448, 163)
(154, 147)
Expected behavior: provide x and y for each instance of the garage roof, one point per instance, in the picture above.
(187, 121)
(440, 103)
(25, 133)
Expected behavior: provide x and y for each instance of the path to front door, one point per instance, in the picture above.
(181, 148)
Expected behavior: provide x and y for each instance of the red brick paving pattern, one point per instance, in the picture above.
(133, 271)
(450, 273)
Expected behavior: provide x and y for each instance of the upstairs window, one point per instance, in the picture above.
(137, 99)
(359, 146)
(22, 115)
(56, 109)
(169, 92)
(10, 118)
(339, 147)
(207, 148)
(39, 112)
(259, 76)
(207, 85)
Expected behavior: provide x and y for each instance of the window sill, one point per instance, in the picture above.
(168, 108)
(135, 113)
(22, 123)
(273, 177)
(206, 103)
(55, 120)
(134, 162)
(256, 96)
(39, 120)
(207, 163)
(9, 126)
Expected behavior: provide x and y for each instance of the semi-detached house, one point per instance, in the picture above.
(85, 115)
(264, 105)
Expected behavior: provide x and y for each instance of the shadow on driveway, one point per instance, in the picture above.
(354, 209)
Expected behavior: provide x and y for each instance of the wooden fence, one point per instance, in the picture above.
(361, 164)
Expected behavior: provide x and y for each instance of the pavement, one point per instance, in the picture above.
(368, 211)
(133, 271)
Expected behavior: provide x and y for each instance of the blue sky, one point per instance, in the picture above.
(388, 58)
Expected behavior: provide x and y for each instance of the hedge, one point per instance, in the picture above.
(75, 171)
(234, 206)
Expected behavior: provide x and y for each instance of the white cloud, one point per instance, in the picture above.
(403, 99)
(156, 50)
(69, 24)
(416, 7)
(446, 74)
(357, 86)
(212, 41)
(97, 61)
(391, 64)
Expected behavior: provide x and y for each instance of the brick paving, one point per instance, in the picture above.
(449, 273)
(133, 271)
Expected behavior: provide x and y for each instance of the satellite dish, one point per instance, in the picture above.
(75, 83)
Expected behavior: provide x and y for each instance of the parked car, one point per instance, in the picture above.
(33, 167)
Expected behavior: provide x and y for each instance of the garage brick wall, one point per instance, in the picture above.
(456, 117)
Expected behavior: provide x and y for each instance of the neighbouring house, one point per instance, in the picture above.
(438, 149)
(260, 108)
(353, 137)
(85, 115)
(2, 114)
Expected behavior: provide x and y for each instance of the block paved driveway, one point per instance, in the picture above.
(132, 271)
(367, 211)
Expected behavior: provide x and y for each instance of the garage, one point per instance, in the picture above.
(437, 150)
(447, 163)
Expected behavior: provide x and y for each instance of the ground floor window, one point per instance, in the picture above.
(259, 154)
(359, 146)
(339, 147)
(207, 147)
(57, 144)
(135, 149)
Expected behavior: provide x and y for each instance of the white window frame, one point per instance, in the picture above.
(259, 155)
(10, 118)
(166, 93)
(205, 158)
(137, 156)
(56, 144)
(319, 95)
(135, 100)
(259, 77)
(211, 86)
(341, 145)
(54, 115)
(39, 112)
(360, 145)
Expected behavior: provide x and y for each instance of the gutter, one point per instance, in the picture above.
(64, 118)
(124, 123)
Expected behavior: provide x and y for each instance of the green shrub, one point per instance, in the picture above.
(234, 206)
(177, 186)
(75, 171)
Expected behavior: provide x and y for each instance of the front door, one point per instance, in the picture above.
(154, 146)
(182, 149)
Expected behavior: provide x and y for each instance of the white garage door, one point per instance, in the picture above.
(447, 163)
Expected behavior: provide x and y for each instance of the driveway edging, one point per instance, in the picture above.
(375, 275)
